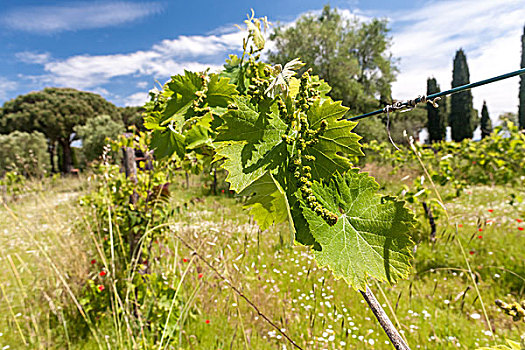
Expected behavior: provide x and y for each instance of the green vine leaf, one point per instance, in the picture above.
(177, 127)
(178, 107)
(167, 142)
(251, 143)
(267, 203)
(235, 69)
(337, 144)
(220, 91)
(199, 134)
(370, 237)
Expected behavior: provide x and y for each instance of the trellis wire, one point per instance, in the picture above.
(409, 104)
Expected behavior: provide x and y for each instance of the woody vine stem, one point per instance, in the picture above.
(384, 321)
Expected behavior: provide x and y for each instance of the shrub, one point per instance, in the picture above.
(24, 153)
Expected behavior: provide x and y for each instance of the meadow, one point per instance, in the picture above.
(49, 253)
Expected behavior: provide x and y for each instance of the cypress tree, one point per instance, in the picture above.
(437, 126)
(461, 110)
(486, 123)
(521, 109)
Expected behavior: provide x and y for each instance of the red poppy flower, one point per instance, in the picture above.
(207, 321)
(200, 275)
(222, 191)
(480, 237)
(474, 162)
(101, 288)
(185, 260)
(102, 273)
(460, 225)
(491, 210)
(480, 229)
(520, 228)
(519, 220)
(471, 252)
(93, 262)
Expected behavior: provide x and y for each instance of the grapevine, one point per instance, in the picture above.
(286, 146)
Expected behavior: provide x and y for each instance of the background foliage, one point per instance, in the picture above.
(24, 153)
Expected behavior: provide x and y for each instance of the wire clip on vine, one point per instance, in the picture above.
(410, 104)
(432, 99)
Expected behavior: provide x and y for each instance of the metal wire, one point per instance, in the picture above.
(409, 104)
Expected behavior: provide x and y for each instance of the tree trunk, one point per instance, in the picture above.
(51, 151)
(67, 159)
(214, 181)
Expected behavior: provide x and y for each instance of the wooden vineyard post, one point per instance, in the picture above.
(431, 221)
(130, 168)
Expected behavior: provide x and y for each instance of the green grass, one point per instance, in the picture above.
(437, 308)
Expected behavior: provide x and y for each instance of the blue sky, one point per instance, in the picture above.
(119, 48)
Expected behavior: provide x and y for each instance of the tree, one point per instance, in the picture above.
(436, 117)
(486, 123)
(521, 109)
(461, 118)
(54, 112)
(133, 116)
(94, 133)
(350, 55)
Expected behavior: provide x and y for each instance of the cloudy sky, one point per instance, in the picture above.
(120, 48)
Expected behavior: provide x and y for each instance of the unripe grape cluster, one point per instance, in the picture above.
(199, 104)
(301, 136)
(259, 84)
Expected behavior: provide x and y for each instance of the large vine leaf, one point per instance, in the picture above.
(251, 140)
(370, 237)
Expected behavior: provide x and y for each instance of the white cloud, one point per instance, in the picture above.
(75, 16)
(142, 84)
(33, 57)
(489, 32)
(199, 46)
(6, 86)
(169, 57)
(136, 99)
